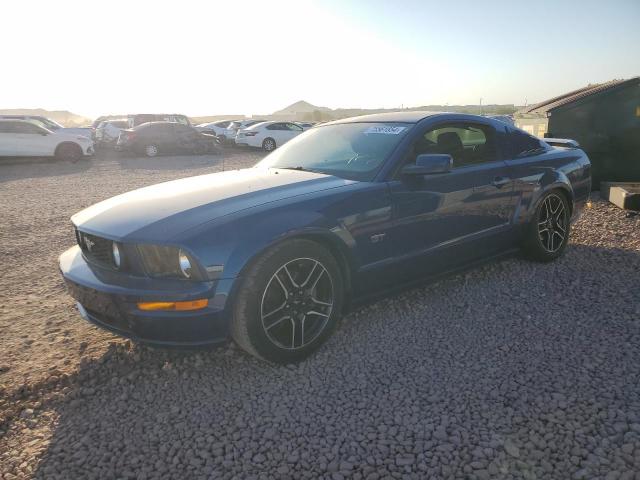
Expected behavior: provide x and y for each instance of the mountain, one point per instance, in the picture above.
(63, 117)
(306, 111)
(300, 107)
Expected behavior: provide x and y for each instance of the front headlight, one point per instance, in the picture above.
(185, 264)
(115, 252)
(168, 262)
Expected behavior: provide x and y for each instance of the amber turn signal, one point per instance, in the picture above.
(174, 306)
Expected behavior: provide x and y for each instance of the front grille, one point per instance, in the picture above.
(96, 250)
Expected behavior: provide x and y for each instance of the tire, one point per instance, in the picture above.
(269, 144)
(547, 235)
(151, 150)
(69, 151)
(289, 302)
(201, 149)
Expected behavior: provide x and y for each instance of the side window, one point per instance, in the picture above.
(294, 127)
(24, 127)
(523, 144)
(275, 126)
(468, 144)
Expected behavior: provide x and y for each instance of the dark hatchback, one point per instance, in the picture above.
(165, 138)
(271, 256)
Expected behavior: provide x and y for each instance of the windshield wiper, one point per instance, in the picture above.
(299, 168)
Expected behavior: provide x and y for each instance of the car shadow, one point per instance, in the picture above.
(205, 408)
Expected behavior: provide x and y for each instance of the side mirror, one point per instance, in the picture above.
(429, 164)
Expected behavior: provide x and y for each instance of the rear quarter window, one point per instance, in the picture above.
(523, 144)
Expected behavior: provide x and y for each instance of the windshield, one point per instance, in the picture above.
(47, 123)
(355, 151)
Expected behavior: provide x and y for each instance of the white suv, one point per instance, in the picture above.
(21, 138)
(49, 124)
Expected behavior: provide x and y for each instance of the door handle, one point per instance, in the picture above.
(500, 182)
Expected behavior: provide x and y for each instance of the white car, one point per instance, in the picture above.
(268, 135)
(21, 138)
(49, 124)
(108, 131)
(217, 128)
(234, 127)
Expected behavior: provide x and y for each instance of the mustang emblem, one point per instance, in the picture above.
(89, 243)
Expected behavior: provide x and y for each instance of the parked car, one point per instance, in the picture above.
(272, 255)
(140, 118)
(229, 134)
(216, 128)
(268, 135)
(108, 131)
(22, 138)
(161, 138)
(50, 125)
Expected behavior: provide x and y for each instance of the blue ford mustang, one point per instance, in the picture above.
(272, 255)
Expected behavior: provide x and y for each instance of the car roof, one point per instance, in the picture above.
(414, 117)
(9, 116)
(159, 122)
(263, 124)
(16, 120)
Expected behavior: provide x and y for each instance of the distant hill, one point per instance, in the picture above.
(303, 110)
(300, 107)
(63, 117)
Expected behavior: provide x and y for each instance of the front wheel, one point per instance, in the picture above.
(69, 151)
(201, 148)
(289, 302)
(547, 235)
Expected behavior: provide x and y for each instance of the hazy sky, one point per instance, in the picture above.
(95, 57)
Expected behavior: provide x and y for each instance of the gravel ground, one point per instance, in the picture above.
(513, 370)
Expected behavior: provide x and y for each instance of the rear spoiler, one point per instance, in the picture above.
(562, 142)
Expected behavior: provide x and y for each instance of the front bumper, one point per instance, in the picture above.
(109, 299)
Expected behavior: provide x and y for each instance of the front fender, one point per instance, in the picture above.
(235, 244)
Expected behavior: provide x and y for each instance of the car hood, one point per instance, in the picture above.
(159, 212)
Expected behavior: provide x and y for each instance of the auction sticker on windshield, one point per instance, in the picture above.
(385, 130)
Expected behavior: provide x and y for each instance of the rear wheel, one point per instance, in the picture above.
(289, 303)
(269, 144)
(69, 151)
(151, 150)
(548, 233)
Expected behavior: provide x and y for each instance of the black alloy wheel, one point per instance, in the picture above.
(547, 235)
